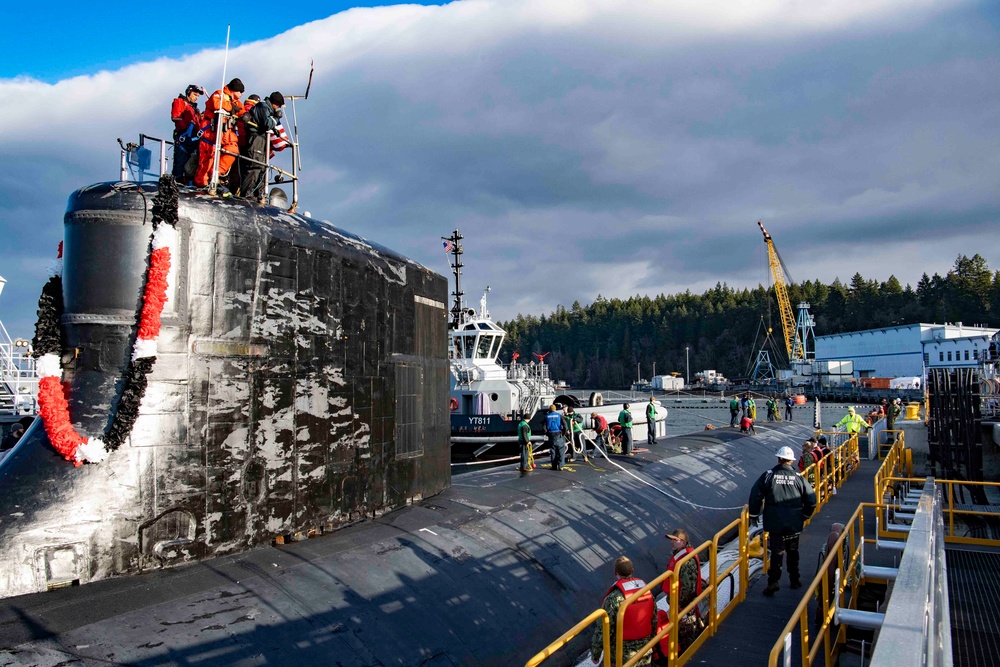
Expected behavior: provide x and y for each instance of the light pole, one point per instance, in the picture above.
(687, 357)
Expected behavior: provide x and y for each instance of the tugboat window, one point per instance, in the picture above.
(484, 346)
(495, 350)
(470, 346)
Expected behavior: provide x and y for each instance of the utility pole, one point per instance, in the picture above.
(687, 356)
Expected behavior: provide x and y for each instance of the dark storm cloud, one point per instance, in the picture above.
(585, 148)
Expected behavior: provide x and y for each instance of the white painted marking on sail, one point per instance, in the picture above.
(428, 302)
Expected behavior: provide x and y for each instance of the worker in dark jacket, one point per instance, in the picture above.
(261, 119)
(788, 500)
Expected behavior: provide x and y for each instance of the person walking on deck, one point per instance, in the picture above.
(557, 443)
(639, 623)
(789, 402)
(524, 439)
(772, 409)
(853, 422)
(787, 500)
(625, 421)
(734, 412)
(651, 422)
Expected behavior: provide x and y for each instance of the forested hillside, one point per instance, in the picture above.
(600, 345)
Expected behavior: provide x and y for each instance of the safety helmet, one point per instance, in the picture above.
(786, 453)
(194, 88)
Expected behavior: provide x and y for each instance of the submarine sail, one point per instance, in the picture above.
(300, 384)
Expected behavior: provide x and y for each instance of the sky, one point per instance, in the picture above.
(582, 147)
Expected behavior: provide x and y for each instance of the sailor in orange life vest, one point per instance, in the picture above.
(689, 587)
(222, 129)
(639, 623)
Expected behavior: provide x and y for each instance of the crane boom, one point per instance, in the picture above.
(793, 345)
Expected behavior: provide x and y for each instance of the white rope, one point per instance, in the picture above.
(654, 486)
(604, 453)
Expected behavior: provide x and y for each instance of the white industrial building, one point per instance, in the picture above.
(905, 350)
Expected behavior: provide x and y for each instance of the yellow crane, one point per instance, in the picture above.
(793, 345)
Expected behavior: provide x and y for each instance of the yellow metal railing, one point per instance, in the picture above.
(597, 615)
(828, 475)
(896, 471)
(950, 512)
(836, 468)
(845, 555)
(709, 592)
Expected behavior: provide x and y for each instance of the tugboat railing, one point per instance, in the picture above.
(18, 377)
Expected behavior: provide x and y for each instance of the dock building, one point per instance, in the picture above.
(905, 350)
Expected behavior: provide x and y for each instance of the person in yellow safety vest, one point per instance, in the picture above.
(853, 422)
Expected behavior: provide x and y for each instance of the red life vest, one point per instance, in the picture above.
(672, 565)
(638, 621)
(805, 463)
(600, 423)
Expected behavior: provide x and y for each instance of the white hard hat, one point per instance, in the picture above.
(786, 453)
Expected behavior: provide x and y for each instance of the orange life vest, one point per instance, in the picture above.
(638, 621)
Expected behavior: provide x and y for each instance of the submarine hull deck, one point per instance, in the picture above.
(487, 572)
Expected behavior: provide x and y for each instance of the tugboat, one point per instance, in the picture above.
(487, 398)
(18, 385)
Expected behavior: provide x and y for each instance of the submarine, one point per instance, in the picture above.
(299, 384)
(266, 480)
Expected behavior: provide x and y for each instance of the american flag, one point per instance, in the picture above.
(279, 140)
(448, 247)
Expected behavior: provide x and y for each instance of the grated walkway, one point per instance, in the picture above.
(748, 634)
(973, 590)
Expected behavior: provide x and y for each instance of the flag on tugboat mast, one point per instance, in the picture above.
(448, 247)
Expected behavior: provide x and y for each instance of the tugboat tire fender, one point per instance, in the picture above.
(564, 400)
(453, 403)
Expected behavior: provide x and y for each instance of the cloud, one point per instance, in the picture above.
(584, 147)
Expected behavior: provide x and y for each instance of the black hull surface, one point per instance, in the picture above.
(486, 573)
(300, 385)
